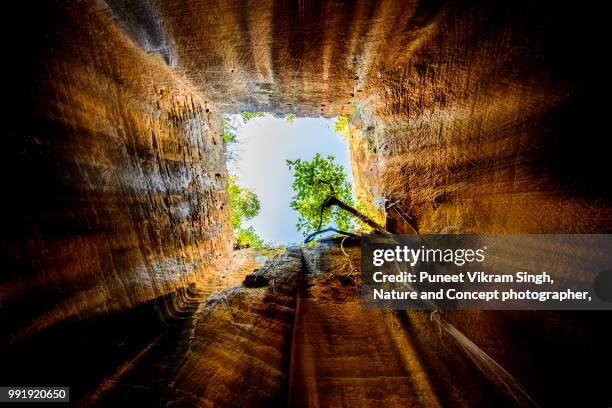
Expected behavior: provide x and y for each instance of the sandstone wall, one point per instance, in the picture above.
(472, 116)
(487, 123)
(468, 112)
(234, 349)
(114, 174)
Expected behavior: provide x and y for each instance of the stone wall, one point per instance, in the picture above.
(470, 116)
(114, 171)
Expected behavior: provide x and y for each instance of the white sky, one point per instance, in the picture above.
(263, 146)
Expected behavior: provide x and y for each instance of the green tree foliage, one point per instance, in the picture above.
(342, 125)
(290, 117)
(365, 209)
(244, 203)
(248, 237)
(244, 206)
(229, 130)
(230, 125)
(246, 116)
(313, 182)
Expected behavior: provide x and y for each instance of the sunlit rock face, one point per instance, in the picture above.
(486, 124)
(310, 58)
(115, 170)
(345, 355)
(234, 350)
(468, 113)
(476, 117)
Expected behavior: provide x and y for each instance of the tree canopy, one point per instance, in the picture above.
(246, 116)
(313, 183)
(244, 205)
(342, 126)
(248, 237)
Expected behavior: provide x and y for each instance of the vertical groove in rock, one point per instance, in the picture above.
(118, 210)
(122, 190)
(474, 129)
(348, 356)
(236, 349)
(470, 116)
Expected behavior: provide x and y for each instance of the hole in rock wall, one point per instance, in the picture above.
(258, 146)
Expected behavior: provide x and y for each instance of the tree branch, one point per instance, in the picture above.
(323, 207)
(331, 187)
(331, 201)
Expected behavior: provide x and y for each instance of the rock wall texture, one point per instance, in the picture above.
(308, 57)
(116, 186)
(467, 112)
(116, 174)
(233, 350)
(469, 116)
(344, 355)
(475, 127)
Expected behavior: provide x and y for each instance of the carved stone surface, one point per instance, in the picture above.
(469, 116)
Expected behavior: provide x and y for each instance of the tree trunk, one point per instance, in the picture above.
(331, 201)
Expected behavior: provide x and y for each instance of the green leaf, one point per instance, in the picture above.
(313, 182)
(244, 203)
(248, 237)
(342, 125)
(246, 116)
